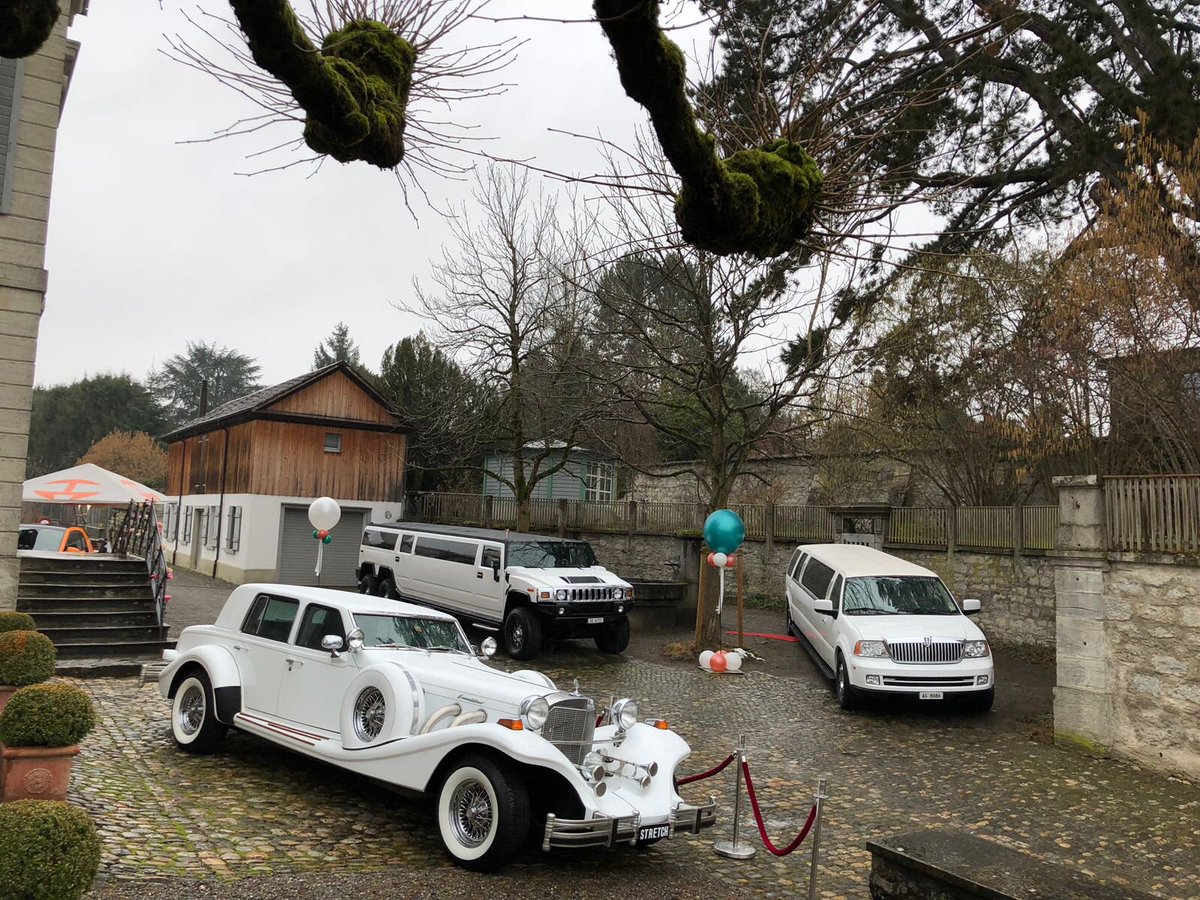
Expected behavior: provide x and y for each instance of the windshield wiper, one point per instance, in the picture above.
(445, 650)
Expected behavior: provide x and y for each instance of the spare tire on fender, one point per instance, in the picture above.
(383, 703)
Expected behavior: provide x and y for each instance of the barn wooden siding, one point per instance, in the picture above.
(289, 459)
(334, 397)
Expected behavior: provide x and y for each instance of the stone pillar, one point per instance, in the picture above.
(689, 572)
(33, 106)
(1083, 708)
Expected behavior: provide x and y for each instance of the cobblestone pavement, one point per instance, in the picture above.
(255, 810)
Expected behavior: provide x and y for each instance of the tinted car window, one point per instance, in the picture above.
(406, 544)
(490, 558)
(75, 540)
(898, 596)
(816, 578)
(799, 564)
(450, 551)
(317, 622)
(271, 617)
(384, 540)
(551, 554)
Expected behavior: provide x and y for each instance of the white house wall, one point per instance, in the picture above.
(257, 556)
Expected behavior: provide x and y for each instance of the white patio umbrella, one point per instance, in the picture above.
(88, 484)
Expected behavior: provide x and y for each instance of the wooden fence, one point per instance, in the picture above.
(934, 527)
(1153, 514)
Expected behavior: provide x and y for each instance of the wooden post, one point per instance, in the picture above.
(700, 598)
(741, 602)
(1018, 531)
(487, 511)
(631, 523)
(562, 518)
(768, 534)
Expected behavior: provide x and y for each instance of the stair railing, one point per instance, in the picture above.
(138, 535)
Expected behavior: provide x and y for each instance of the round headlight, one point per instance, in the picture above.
(618, 593)
(625, 714)
(560, 595)
(534, 712)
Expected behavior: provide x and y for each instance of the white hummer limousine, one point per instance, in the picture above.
(530, 586)
(395, 693)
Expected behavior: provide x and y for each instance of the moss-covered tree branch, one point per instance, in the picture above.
(757, 201)
(353, 89)
(25, 25)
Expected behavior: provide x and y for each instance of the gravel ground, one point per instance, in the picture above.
(254, 821)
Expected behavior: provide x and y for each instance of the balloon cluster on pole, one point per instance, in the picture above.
(323, 513)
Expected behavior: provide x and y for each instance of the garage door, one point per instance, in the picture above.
(298, 554)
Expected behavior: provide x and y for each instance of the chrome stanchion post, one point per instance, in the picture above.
(733, 849)
(816, 842)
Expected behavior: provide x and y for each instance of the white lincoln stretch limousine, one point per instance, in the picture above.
(394, 692)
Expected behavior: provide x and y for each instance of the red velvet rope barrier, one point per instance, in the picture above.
(762, 829)
(709, 774)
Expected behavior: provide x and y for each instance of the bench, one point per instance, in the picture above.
(948, 864)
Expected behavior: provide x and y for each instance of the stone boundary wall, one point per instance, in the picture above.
(1152, 616)
(1017, 596)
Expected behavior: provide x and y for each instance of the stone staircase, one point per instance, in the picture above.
(98, 610)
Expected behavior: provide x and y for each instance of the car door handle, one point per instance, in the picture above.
(239, 647)
(294, 662)
(478, 574)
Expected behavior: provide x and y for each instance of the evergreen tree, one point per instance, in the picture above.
(338, 347)
(176, 386)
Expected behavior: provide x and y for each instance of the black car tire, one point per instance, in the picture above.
(613, 637)
(387, 588)
(483, 814)
(847, 696)
(523, 633)
(368, 583)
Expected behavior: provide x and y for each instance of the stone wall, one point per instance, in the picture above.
(1152, 614)
(1017, 597)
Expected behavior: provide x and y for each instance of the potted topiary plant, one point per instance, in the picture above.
(26, 657)
(40, 731)
(49, 850)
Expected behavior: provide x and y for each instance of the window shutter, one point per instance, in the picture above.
(10, 113)
(233, 540)
(187, 525)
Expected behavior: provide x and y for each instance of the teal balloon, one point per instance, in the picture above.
(724, 531)
(328, 539)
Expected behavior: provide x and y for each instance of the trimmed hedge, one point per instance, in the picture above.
(49, 850)
(46, 715)
(26, 657)
(16, 621)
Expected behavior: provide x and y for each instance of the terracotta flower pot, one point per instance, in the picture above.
(6, 691)
(35, 773)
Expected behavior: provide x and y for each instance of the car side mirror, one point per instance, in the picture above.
(488, 647)
(496, 569)
(824, 607)
(970, 607)
(354, 640)
(333, 643)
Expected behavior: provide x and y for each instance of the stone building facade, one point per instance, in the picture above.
(32, 92)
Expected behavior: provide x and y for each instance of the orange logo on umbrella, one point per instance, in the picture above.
(71, 491)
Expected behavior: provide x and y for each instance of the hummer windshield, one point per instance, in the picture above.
(551, 554)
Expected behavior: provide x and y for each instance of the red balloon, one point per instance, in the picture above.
(731, 562)
(322, 534)
(718, 663)
(710, 559)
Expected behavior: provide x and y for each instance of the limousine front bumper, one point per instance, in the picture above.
(887, 676)
(579, 610)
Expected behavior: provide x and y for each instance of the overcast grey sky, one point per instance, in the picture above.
(154, 242)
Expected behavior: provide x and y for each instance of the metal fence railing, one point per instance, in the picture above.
(934, 527)
(1153, 514)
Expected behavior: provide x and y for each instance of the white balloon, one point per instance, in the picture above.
(324, 513)
(733, 662)
(705, 656)
(719, 560)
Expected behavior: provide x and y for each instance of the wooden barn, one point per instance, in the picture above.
(241, 478)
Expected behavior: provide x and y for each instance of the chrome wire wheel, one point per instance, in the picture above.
(191, 709)
(471, 813)
(370, 709)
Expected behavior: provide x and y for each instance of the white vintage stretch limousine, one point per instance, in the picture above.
(394, 692)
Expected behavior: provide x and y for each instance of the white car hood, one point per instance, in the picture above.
(594, 576)
(912, 628)
(463, 678)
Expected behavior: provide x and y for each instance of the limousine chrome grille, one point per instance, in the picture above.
(921, 652)
(571, 726)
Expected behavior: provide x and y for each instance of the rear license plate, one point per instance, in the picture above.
(596, 620)
(930, 695)
(652, 833)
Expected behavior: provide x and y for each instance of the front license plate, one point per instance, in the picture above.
(596, 620)
(930, 695)
(652, 833)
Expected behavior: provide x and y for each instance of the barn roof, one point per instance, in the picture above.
(253, 405)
